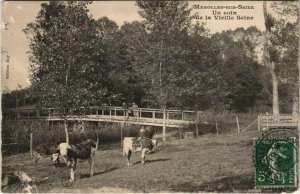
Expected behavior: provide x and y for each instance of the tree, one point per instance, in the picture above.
(166, 25)
(281, 47)
(67, 66)
(198, 76)
(242, 85)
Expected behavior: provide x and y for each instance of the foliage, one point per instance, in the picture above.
(163, 60)
(66, 72)
(242, 75)
(281, 49)
(166, 25)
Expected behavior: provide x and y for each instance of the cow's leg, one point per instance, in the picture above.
(128, 158)
(124, 151)
(92, 162)
(38, 157)
(73, 164)
(143, 155)
(72, 174)
(66, 160)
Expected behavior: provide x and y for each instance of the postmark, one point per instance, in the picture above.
(275, 159)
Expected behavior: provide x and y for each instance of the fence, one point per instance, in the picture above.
(9, 146)
(266, 121)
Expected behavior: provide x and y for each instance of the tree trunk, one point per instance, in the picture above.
(275, 89)
(295, 110)
(66, 130)
(160, 73)
(271, 63)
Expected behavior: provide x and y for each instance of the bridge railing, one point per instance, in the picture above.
(267, 121)
(112, 111)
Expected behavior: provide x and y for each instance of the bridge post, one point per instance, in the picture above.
(138, 116)
(121, 128)
(38, 113)
(18, 114)
(164, 125)
(31, 144)
(168, 115)
(110, 113)
(153, 115)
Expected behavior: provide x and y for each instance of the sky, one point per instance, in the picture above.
(15, 15)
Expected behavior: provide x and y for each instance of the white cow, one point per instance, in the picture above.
(134, 144)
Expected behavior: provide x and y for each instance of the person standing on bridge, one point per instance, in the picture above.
(135, 110)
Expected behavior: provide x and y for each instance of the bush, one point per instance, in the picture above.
(53, 132)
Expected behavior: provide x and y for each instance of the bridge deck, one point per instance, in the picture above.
(144, 116)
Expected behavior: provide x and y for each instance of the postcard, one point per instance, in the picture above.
(150, 96)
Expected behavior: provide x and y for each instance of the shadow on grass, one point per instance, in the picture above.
(60, 165)
(83, 176)
(154, 151)
(227, 184)
(151, 161)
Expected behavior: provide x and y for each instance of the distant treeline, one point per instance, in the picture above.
(163, 60)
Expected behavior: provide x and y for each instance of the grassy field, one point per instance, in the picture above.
(210, 163)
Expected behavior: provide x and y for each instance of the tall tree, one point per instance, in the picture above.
(242, 87)
(167, 24)
(281, 46)
(67, 68)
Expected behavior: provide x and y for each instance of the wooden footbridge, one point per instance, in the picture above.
(141, 116)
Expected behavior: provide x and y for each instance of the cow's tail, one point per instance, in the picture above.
(97, 142)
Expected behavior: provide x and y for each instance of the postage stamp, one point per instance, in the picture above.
(275, 160)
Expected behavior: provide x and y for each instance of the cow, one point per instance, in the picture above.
(134, 144)
(85, 150)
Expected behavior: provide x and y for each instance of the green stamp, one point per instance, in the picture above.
(275, 162)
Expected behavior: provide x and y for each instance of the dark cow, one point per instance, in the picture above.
(85, 151)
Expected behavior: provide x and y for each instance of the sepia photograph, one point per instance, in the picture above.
(160, 96)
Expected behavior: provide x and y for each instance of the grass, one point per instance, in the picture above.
(210, 163)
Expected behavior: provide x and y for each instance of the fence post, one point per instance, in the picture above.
(217, 129)
(122, 136)
(180, 133)
(164, 124)
(31, 142)
(197, 121)
(258, 122)
(267, 121)
(238, 125)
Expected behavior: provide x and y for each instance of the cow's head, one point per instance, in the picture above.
(55, 159)
(154, 143)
